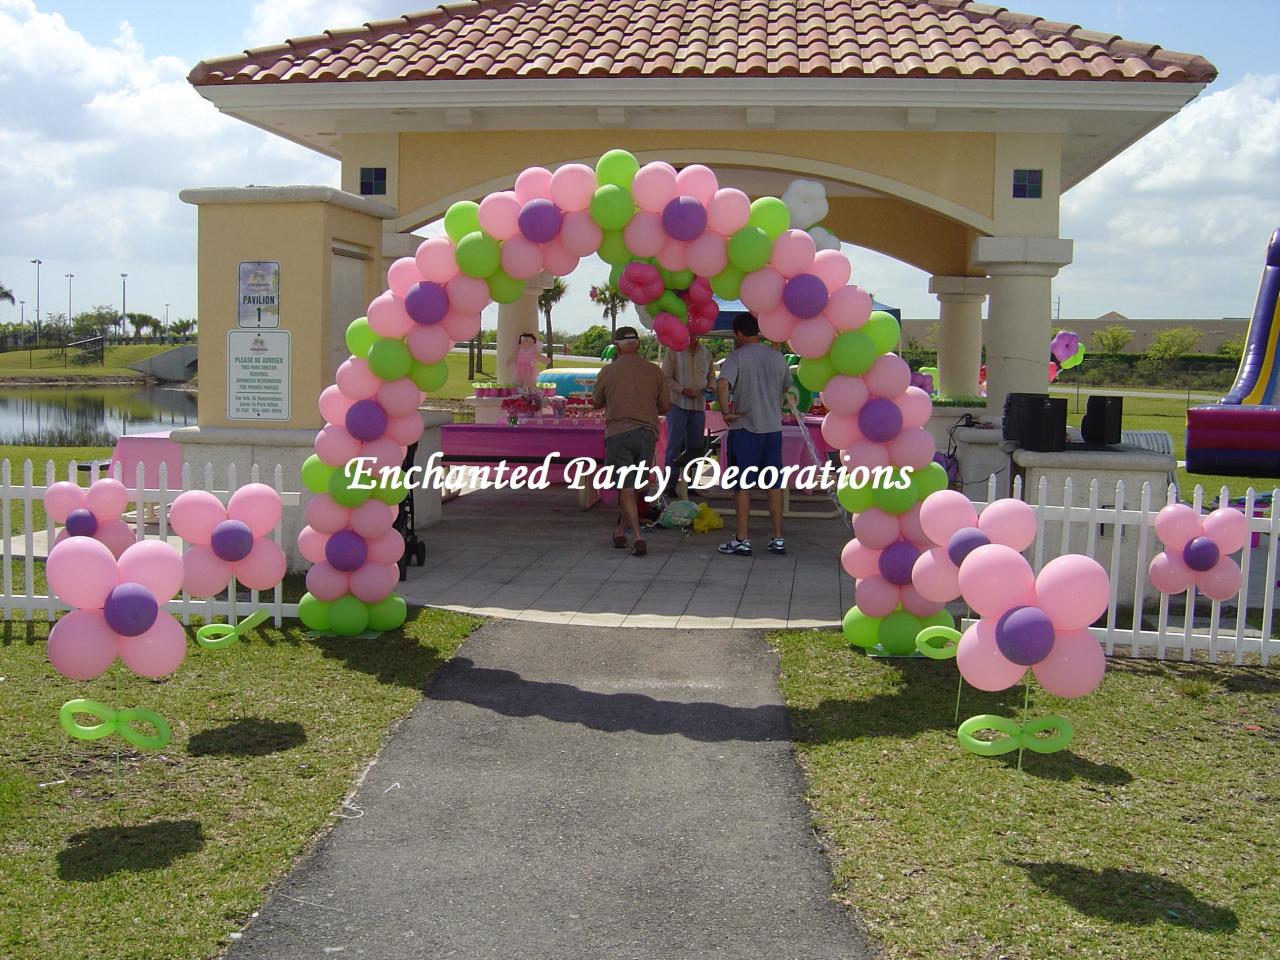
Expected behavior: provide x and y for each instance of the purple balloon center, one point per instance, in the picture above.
(805, 295)
(1200, 554)
(346, 551)
(963, 542)
(366, 420)
(896, 561)
(130, 609)
(880, 420)
(684, 218)
(540, 221)
(231, 541)
(81, 523)
(1024, 635)
(426, 302)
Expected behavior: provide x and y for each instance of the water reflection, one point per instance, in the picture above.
(89, 416)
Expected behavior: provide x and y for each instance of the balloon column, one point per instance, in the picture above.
(1196, 551)
(91, 512)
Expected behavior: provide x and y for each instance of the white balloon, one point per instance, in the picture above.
(824, 239)
(807, 201)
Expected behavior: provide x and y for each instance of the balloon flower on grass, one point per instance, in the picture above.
(229, 541)
(1196, 551)
(91, 512)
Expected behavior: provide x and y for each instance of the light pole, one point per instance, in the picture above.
(124, 311)
(70, 277)
(37, 263)
(22, 317)
(166, 321)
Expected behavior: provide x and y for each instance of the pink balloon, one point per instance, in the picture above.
(1074, 666)
(812, 337)
(935, 577)
(762, 290)
(845, 394)
(888, 377)
(914, 403)
(573, 186)
(556, 260)
(580, 234)
(728, 211)
(995, 578)
(356, 380)
(82, 646)
(435, 257)
(311, 542)
(849, 308)
(107, 498)
(777, 324)
(402, 275)
(326, 583)
(1011, 522)
(372, 519)
(912, 448)
(374, 581)
(155, 565)
(399, 397)
(386, 453)
(533, 184)
(388, 318)
(467, 294)
(521, 258)
(325, 515)
(698, 182)
(701, 322)
(460, 326)
(1221, 581)
(388, 548)
(257, 506)
(793, 253)
(1228, 528)
(117, 535)
(194, 514)
(980, 661)
(61, 498)
(864, 453)
(832, 267)
(945, 512)
(674, 255)
(499, 217)
(653, 187)
(911, 529)
(81, 571)
(877, 529)
(1073, 590)
(644, 235)
(1169, 574)
(203, 573)
(159, 651)
(1176, 524)
(840, 430)
(263, 568)
(405, 430)
(876, 596)
(859, 560)
(917, 604)
(428, 344)
(708, 255)
(333, 404)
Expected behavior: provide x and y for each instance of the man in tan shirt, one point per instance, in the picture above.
(690, 373)
(633, 393)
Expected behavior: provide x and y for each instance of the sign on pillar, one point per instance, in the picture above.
(258, 294)
(257, 374)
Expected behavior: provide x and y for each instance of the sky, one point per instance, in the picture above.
(99, 130)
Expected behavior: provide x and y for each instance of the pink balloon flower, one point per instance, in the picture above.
(230, 540)
(90, 512)
(1196, 551)
(954, 531)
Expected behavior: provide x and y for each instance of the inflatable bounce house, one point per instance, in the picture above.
(1240, 435)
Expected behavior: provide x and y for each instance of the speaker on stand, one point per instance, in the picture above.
(1101, 423)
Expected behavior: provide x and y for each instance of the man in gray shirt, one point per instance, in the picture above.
(750, 387)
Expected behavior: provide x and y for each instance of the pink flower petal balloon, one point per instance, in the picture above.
(467, 294)
(1074, 666)
(812, 337)
(1176, 524)
(911, 529)
(728, 211)
(387, 316)
(534, 183)
(644, 235)
(460, 327)
(935, 576)
(698, 182)
(980, 661)
(580, 235)
(356, 379)
(117, 535)
(573, 186)
(373, 518)
(264, 566)
(674, 255)
(194, 514)
(81, 645)
(334, 404)
(436, 259)
(326, 583)
(849, 308)
(777, 324)
(995, 578)
(374, 581)
(912, 448)
(708, 255)
(557, 260)
(154, 564)
(81, 572)
(916, 604)
(388, 548)
(1221, 581)
(832, 267)
(61, 498)
(864, 453)
(845, 394)
(402, 275)
(325, 515)
(257, 506)
(1169, 574)
(859, 561)
(945, 512)
(157, 652)
(1228, 528)
(106, 498)
(876, 596)
(876, 528)
(793, 253)
(654, 185)
(204, 574)
(521, 258)
(428, 344)
(499, 217)
(914, 404)
(1073, 590)
(399, 397)
(311, 543)
(888, 377)
(840, 430)
(1008, 521)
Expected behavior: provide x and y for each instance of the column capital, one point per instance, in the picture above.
(960, 289)
(1022, 256)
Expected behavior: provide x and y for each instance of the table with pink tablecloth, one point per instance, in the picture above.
(794, 451)
(151, 450)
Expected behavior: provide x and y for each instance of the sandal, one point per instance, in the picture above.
(641, 548)
(619, 541)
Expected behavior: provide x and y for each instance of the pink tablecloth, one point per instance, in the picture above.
(794, 452)
(150, 450)
(529, 443)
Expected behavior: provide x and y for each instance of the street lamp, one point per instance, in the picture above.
(124, 312)
(37, 263)
(70, 277)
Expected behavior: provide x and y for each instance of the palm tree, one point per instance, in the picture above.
(6, 294)
(547, 300)
(610, 301)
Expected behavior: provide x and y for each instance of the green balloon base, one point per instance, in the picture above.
(325, 634)
(879, 651)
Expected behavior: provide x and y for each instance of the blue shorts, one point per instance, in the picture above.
(750, 452)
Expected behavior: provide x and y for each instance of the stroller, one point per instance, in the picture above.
(414, 549)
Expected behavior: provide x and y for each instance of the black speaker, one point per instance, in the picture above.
(1036, 421)
(1101, 423)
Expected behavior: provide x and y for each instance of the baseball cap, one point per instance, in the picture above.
(626, 333)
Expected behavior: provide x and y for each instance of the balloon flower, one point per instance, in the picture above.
(91, 512)
(229, 541)
(1195, 551)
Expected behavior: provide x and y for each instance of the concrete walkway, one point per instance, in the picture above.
(570, 792)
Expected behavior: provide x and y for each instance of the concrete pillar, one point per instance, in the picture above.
(515, 319)
(960, 333)
(1019, 325)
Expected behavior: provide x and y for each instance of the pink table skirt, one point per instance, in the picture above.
(150, 450)
(794, 452)
(528, 443)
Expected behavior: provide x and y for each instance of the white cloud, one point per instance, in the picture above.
(273, 21)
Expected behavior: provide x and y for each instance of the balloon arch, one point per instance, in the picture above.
(673, 238)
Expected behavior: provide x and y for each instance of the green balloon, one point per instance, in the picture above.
(313, 612)
(360, 337)
(856, 499)
(505, 288)
(930, 480)
(461, 219)
(814, 372)
(861, 630)
(804, 399)
(939, 619)
(895, 501)
(609, 352)
(390, 359)
(429, 377)
(316, 474)
(727, 284)
(898, 633)
(612, 207)
(750, 248)
(852, 353)
(680, 279)
(478, 254)
(388, 614)
(348, 616)
(617, 167)
(771, 215)
(615, 273)
(613, 248)
(669, 302)
(391, 493)
(345, 495)
(883, 330)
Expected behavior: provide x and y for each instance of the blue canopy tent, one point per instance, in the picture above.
(733, 308)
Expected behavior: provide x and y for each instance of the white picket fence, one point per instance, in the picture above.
(1116, 528)
(23, 600)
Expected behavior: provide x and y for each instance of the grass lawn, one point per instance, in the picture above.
(48, 364)
(267, 739)
(1154, 836)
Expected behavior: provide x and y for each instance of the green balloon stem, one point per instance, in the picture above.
(959, 688)
(215, 636)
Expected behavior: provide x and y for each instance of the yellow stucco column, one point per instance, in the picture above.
(1019, 318)
(960, 333)
(515, 319)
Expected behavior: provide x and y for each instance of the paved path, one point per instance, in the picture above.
(567, 792)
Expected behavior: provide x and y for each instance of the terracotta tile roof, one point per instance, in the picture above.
(508, 39)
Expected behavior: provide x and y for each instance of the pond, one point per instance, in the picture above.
(89, 416)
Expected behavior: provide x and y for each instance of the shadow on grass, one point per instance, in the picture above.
(1246, 678)
(394, 659)
(1128, 896)
(98, 853)
(1066, 765)
(22, 631)
(247, 737)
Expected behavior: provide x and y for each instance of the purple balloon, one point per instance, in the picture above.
(346, 551)
(1025, 635)
(231, 540)
(1199, 554)
(1064, 346)
(540, 221)
(366, 420)
(684, 218)
(426, 302)
(130, 609)
(81, 523)
(963, 542)
(880, 420)
(805, 295)
(896, 561)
